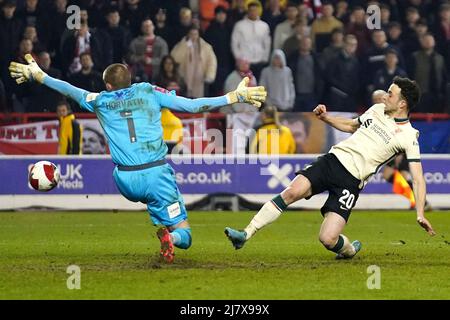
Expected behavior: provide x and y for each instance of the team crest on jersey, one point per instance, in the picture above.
(122, 94)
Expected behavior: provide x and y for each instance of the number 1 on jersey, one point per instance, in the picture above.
(131, 130)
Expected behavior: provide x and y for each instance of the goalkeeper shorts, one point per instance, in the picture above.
(156, 187)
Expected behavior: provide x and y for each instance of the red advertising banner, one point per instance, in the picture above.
(30, 138)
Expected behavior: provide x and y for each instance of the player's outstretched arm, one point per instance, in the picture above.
(32, 72)
(253, 95)
(342, 124)
(420, 191)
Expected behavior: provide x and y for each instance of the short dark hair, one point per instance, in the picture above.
(410, 91)
(64, 102)
(117, 75)
(394, 24)
(220, 9)
(391, 51)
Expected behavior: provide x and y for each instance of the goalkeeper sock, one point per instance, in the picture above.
(181, 238)
(344, 247)
(267, 214)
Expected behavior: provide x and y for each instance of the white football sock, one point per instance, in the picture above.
(347, 250)
(268, 214)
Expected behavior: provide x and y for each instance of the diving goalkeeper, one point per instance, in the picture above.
(130, 115)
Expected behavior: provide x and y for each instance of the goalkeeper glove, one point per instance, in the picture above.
(27, 72)
(243, 93)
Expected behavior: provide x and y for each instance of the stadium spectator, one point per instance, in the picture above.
(251, 39)
(412, 43)
(185, 23)
(80, 41)
(25, 46)
(94, 141)
(106, 45)
(34, 14)
(207, 11)
(11, 29)
(322, 27)
(271, 137)
(441, 31)
(385, 16)
(358, 27)
(119, 35)
(335, 47)
(307, 74)
(43, 99)
(374, 58)
(164, 29)
(23, 95)
(31, 34)
(394, 35)
(97, 10)
(272, 14)
(238, 11)
(420, 6)
(430, 73)
(285, 29)
(132, 16)
(169, 77)
(412, 18)
(58, 24)
(304, 13)
(343, 74)
(218, 35)
(234, 78)
(384, 76)
(87, 78)
(146, 52)
(342, 11)
(198, 63)
(292, 43)
(70, 131)
(240, 116)
(408, 21)
(279, 83)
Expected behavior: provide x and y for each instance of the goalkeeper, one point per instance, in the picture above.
(131, 118)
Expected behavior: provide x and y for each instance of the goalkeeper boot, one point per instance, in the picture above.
(237, 238)
(356, 244)
(167, 249)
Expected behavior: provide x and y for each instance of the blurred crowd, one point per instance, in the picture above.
(303, 52)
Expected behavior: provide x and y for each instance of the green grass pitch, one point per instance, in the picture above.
(118, 257)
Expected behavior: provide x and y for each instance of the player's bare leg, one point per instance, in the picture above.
(178, 235)
(331, 237)
(298, 189)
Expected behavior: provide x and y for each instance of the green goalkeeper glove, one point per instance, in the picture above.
(245, 94)
(27, 72)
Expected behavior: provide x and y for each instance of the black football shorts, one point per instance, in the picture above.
(328, 174)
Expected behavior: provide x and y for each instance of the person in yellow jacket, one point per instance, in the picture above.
(272, 137)
(70, 131)
(172, 129)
